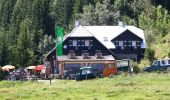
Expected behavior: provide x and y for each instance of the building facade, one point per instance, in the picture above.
(122, 42)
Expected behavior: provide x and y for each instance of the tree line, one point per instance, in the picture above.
(27, 26)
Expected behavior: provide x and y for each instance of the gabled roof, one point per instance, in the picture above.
(80, 32)
(101, 32)
(112, 32)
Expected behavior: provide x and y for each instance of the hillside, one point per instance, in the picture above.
(27, 26)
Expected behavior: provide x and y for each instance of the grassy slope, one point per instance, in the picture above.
(161, 47)
(138, 87)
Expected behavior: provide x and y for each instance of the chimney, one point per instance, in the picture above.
(121, 24)
(77, 23)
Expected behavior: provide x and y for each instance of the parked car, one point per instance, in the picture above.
(159, 65)
(85, 73)
(70, 74)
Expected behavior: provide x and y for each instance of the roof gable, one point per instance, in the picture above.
(127, 33)
(109, 32)
(112, 32)
(80, 31)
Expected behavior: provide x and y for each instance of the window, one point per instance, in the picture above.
(70, 43)
(86, 71)
(168, 61)
(116, 43)
(110, 65)
(121, 43)
(157, 63)
(75, 43)
(82, 42)
(129, 43)
(91, 43)
(105, 39)
(79, 43)
(163, 62)
(125, 43)
(134, 43)
(138, 44)
(87, 43)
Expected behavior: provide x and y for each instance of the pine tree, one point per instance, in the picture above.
(102, 14)
(45, 46)
(20, 12)
(4, 51)
(59, 12)
(6, 9)
(23, 50)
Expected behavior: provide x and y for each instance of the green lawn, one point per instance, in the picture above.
(152, 86)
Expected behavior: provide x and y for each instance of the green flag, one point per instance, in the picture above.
(59, 40)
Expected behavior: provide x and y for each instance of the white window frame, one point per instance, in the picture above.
(133, 43)
(121, 43)
(87, 43)
(74, 43)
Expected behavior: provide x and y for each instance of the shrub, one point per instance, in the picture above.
(136, 68)
(144, 63)
(169, 54)
(1, 74)
(149, 54)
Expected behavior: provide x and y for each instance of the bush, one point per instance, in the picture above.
(169, 54)
(144, 63)
(136, 68)
(149, 54)
(1, 74)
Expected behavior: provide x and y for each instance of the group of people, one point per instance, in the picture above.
(19, 74)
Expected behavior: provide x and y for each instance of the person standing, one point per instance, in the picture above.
(130, 70)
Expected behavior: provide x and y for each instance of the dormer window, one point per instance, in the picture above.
(105, 39)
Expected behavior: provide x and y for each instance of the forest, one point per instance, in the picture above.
(27, 27)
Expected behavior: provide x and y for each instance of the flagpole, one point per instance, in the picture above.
(56, 61)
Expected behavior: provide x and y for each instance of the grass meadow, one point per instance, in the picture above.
(146, 86)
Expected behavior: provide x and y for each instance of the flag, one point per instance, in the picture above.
(59, 40)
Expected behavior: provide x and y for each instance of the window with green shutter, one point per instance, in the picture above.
(116, 43)
(125, 43)
(129, 43)
(138, 43)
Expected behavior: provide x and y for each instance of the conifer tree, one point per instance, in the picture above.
(6, 9)
(23, 50)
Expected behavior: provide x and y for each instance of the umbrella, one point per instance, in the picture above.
(31, 67)
(8, 67)
(39, 67)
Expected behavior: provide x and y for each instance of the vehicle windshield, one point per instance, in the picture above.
(86, 71)
(156, 63)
